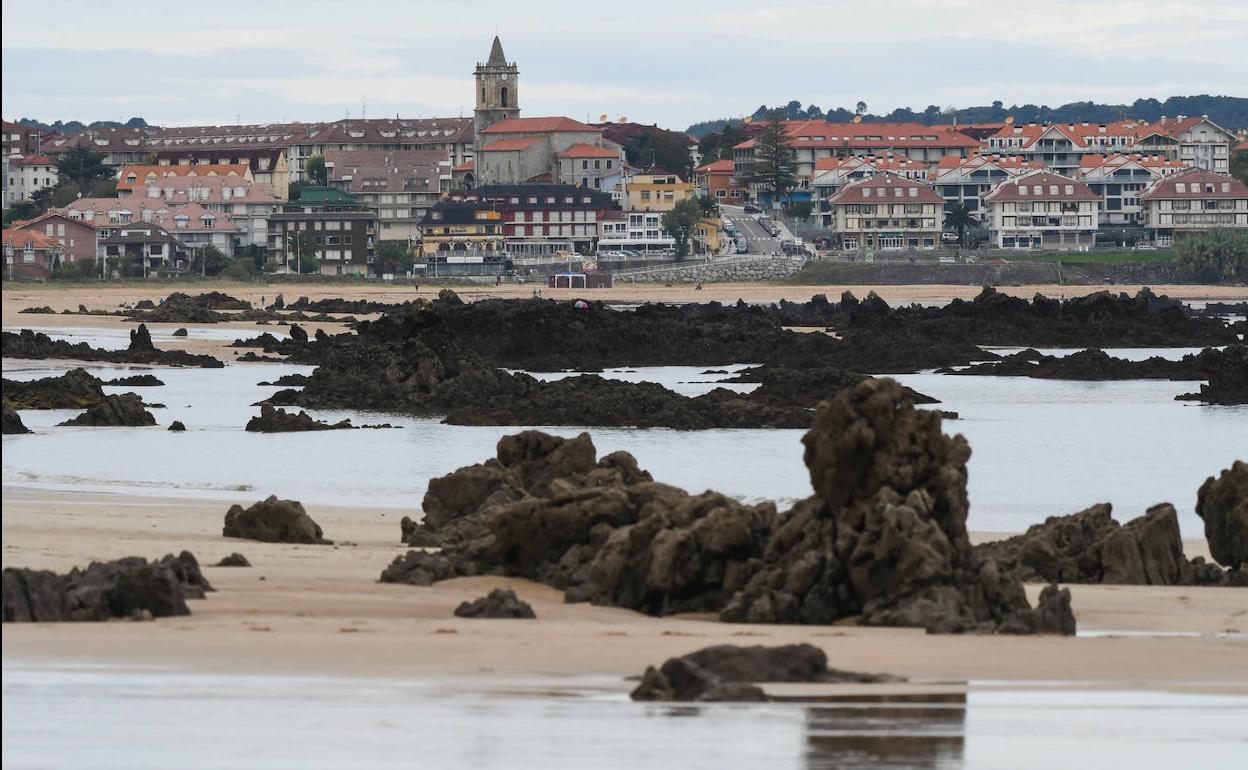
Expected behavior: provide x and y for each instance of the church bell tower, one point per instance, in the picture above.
(498, 95)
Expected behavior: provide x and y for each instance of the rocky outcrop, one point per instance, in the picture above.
(1228, 379)
(1096, 365)
(36, 345)
(131, 587)
(1222, 503)
(340, 305)
(180, 332)
(45, 310)
(280, 421)
(273, 521)
(137, 381)
(13, 423)
(729, 673)
(883, 538)
(125, 409)
(233, 560)
(75, 389)
(788, 386)
(500, 603)
(183, 308)
(176, 426)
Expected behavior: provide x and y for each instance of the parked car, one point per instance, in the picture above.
(949, 237)
(947, 260)
(1145, 247)
(998, 261)
(750, 208)
(743, 247)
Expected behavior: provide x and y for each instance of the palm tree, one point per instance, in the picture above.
(961, 216)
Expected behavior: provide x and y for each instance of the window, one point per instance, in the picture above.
(1180, 187)
(1070, 189)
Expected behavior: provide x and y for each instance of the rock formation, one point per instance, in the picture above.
(125, 409)
(273, 521)
(1222, 503)
(729, 673)
(280, 421)
(1095, 365)
(13, 423)
(233, 560)
(36, 345)
(1228, 379)
(176, 426)
(500, 603)
(75, 389)
(137, 381)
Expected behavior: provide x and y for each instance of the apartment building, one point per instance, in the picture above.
(831, 174)
(29, 254)
(1203, 144)
(21, 140)
(655, 192)
(718, 180)
(965, 181)
(119, 146)
(77, 238)
(131, 178)
(633, 231)
(328, 224)
(592, 166)
(541, 220)
(1193, 201)
(1041, 209)
(266, 165)
(463, 237)
(1118, 179)
(246, 204)
(885, 212)
(194, 224)
(26, 175)
(151, 247)
(399, 185)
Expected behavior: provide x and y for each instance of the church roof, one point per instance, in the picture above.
(496, 54)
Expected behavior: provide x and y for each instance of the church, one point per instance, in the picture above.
(510, 149)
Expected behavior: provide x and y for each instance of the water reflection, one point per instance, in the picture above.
(891, 731)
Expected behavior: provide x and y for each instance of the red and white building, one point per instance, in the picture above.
(29, 254)
(967, 180)
(718, 180)
(1041, 209)
(540, 221)
(77, 238)
(885, 212)
(1193, 201)
(1118, 179)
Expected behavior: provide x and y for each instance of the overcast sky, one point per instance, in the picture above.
(654, 61)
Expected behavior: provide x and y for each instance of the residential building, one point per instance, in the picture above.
(26, 175)
(718, 180)
(1193, 201)
(1041, 209)
(247, 204)
(655, 192)
(885, 212)
(540, 221)
(330, 225)
(152, 248)
(706, 235)
(131, 178)
(832, 174)
(633, 231)
(118, 146)
(194, 224)
(21, 140)
(1118, 180)
(592, 166)
(29, 254)
(77, 238)
(1204, 144)
(265, 165)
(965, 181)
(398, 185)
(463, 237)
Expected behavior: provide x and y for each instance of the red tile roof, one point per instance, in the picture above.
(538, 125)
(33, 160)
(1241, 147)
(879, 136)
(464, 167)
(1197, 183)
(886, 187)
(588, 151)
(1042, 186)
(38, 240)
(716, 167)
(141, 173)
(511, 144)
(1095, 160)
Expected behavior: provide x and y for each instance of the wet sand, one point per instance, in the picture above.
(319, 610)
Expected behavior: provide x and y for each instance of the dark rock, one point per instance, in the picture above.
(273, 521)
(136, 381)
(298, 335)
(36, 345)
(125, 409)
(280, 421)
(13, 423)
(183, 308)
(75, 389)
(38, 310)
(1222, 503)
(787, 386)
(1096, 365)
(131, 587)
(1228, 379)
(233, 560)
(181, 332)
(177, 426)
(728, 673)
(500, 603)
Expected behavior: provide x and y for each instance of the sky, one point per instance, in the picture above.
(665, 62)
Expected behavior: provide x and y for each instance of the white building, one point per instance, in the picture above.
(1042, 210)
(27, 175)
(1194, 201)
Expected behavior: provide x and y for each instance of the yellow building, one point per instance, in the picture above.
(656, 192)
(459, 230)
(706, 232)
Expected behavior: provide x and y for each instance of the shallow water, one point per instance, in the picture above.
(102, 717)
(1039, 447)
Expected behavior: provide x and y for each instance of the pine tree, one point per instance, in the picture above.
(774, 169)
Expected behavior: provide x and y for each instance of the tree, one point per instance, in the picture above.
(799, 209)
(316, 171)
(1217, 256)
(708, 206)
(679, 223)
(393, 257)
(860, 108)
(82, 167)
(20, 210)
(1239, 165)
(209, 260)
(960, 216)
(293, 190)
(774, 168)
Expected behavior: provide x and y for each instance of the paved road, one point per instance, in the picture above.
(758, 239)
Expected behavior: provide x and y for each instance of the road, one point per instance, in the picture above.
(758, 239)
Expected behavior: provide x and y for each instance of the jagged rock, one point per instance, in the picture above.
(280, 421)
(13, 423)
(36, 345)
(38, 310)
(787, 386)
(125, 409)
(1222, 503)
(1096, 365)
(500, 603)
(181, 332)
(273, 521)
(182, 308)
(1228, 379)
(130, 587)
(176, 426)
(136, 381)
(727, 673)
(233, 560)
(298, 335)
(74, 389)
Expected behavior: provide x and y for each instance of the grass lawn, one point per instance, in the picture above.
(1102, 256)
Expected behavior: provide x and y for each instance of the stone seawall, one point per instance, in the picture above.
(1015, 274)
(724, 270)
